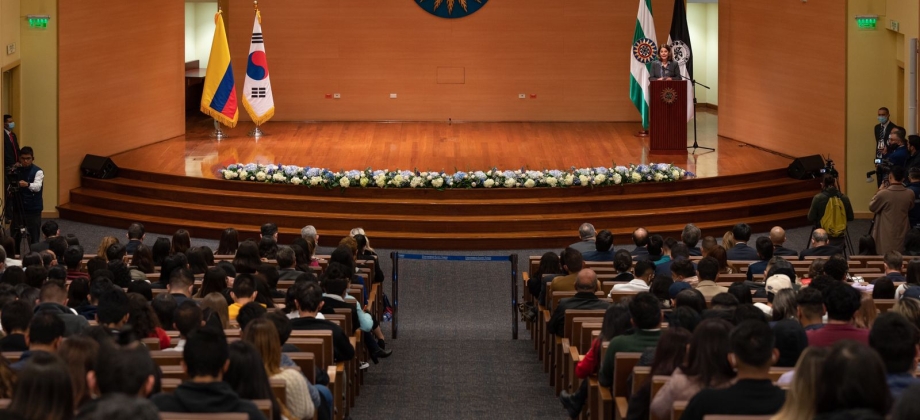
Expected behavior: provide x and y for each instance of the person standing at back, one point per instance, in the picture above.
(891, 205)
(819, 206)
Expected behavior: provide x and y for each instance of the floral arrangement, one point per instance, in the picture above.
(492, 178)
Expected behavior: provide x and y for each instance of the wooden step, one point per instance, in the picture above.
(565, 217)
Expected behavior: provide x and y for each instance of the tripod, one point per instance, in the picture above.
(14, 211)
(696, 145)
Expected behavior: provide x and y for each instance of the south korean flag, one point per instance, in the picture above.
(257, 89)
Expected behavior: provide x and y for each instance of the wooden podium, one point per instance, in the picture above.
(668, 116)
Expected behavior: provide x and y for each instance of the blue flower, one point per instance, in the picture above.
(509, 174)
(251, 167)
(601, 170)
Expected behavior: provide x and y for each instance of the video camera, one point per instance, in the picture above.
(882, 166)
(829, 167)
(12, 178)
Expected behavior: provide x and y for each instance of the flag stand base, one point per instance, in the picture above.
(218, 133)
(643, 133)
(256, 133)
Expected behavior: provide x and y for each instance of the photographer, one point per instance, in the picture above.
(28, 178)
(890, 205)
(819, 206)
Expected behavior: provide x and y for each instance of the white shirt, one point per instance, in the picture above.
(634, 285)
(36, 185)
(179, 347)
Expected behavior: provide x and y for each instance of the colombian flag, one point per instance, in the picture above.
(219, 97)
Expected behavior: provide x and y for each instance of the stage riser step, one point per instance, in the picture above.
(473, 194)
(440, 203)
(409, 240)
(230, 214)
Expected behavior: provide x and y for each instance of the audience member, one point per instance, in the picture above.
(44, 389)
(660, 287)
(229, 242)
(53, 299)
(791, 338)
(136, 235)
(753, 393)
(585, 286)
(802, 381)
(645, 270)
(46, 331)
(764, 248)
(215, 304)
(309, 302)
(160, 250)
(742, 292)
(244, 291)
(587, 235)
(15, 319)
(912, 278)
(740, 251)
(852, 382)
(187, 318)
(262, 334)
(125, 370)
(603, 247)
(181, 283)
(640, 239)
(883, 288)
(819, 246)
(897, 341)
(164, 305)
(143, 320)
(120, 406)
(81, 353)
(181, 242)
(549, 267)
(707, 245)
(250, 312)
(668, 355)
(690, 236)
(707, 366)
(287, 263)
(113, 310)
(645, 312)
(247, 259)
(246, 375)
(865, 316)
(907, 407)
(810, 309)
(778, 238)
(205, 360)
(841, 302)
(708, 273)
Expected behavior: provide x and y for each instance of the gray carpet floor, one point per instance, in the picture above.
(454, 358)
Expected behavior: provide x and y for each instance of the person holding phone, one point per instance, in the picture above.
(891, 205)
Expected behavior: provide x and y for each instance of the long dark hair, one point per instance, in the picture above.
(229, 242)
(80, 353)
(44, 390)
(246, 375)
(196, 261)
(141, 316)
(852, 376)
(707, 359)
(143, 259)
(616, 320)
(247, 258)
(181, 242)
(160, 250)
(549, 264)
(913, 271)
(670, 351)
(742, 292)
(215, 280)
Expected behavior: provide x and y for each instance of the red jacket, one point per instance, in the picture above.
(588, 366)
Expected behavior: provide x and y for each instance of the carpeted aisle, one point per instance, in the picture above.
(454, 358)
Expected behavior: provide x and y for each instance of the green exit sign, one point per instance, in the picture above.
(38, 21)
(867, 22)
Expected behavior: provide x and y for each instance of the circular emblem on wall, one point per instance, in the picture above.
(451, 9)
(645, 50)
(681, 52)
(668, 95)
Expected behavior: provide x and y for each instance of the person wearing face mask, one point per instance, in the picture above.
(665, 68)
(10, 143)
(882, 131)
(895, 152)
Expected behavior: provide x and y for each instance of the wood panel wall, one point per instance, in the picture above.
(573, 55)
(782, 75)
(121, 79)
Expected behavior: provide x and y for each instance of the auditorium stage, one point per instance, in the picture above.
(440, 146)
(175, 184)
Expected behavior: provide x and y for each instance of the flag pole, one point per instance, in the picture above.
(218, 133)
(256, 132)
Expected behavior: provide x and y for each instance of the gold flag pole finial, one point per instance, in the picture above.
(255, 5)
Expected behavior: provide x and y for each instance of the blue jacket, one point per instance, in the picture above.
(31, 201)
(898, 157)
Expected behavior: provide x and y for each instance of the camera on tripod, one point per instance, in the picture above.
(829, 167)
(12, 178)
(882, 166)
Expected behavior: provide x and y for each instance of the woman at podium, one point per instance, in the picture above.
(665, 68)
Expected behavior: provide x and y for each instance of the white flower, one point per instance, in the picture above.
(416, 181)
(635, 176)
(364, 181)
(261, 176)
(228, 174)
(509, 182)
(278, 177)
(617, 179)
(428, 177)
(583, 179)
(398, 179)
(528, 183)
(437, 182)
(600, 178)
(243, 175)
(489, 183)
(551, 181)
(675, 174)
(296, 181)
(568, 180)
(473, 184)
(344, 182)
(658, 176)
(314, 181)
(381, 181)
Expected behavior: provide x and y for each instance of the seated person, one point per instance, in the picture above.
(897, 340)
(15, 319)
(842, 303)
(753, 353)
(645, 270)
(187, 318)
(645, 311)
(309, 302)
(244, 291)
(584, 298)
(205, 359)
(603, 244)
(46, 331)
(764, 248)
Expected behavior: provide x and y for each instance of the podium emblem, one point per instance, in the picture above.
(644, 50)
(668, 95)
(681, 52)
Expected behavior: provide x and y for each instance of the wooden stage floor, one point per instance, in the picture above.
(440, 146)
